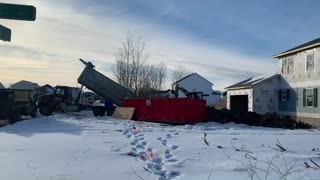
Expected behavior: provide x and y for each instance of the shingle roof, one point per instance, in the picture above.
(189, 76)
(248, 83)
(183, 78)
(308, 45)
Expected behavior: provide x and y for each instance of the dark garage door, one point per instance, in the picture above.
(239, 103)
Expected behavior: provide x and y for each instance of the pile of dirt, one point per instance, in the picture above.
(253, 119)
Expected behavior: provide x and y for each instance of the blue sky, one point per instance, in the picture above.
(224, 41)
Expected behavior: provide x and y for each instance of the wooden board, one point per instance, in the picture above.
(123, 113)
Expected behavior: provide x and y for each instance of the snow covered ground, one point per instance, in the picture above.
(82, 147)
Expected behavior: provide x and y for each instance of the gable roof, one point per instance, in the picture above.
(189, 76)
(250, 82)
(305, 46)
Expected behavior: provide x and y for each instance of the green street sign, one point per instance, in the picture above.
(17, 12)
(5, 33)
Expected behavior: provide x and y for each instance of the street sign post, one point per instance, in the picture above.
(17, 12)
(5, 33)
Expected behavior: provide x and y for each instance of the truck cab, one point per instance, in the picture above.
(64, 99)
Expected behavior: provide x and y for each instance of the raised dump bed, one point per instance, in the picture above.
(168, 110)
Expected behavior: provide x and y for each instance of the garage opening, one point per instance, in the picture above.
(239, 103)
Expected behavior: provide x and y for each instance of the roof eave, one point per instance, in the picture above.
(296, 50)
(237, 88)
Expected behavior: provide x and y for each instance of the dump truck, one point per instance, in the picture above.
(103, 86)
(14, 103)
(64, 99)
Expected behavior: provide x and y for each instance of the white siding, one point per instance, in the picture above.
(265, 96)
(196, 83)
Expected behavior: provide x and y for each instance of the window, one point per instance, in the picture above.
(290, 65)
(310, 60)
(284, 94)
(60, 92)
(310, 97)
(287, 65)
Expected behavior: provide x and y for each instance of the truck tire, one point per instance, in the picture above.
(98, 111)
(45, 110)
(34, 113)
(14, 117)
(94, 111)
(110, 111)
(103, 111)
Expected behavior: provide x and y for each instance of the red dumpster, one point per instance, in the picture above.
(168, 110)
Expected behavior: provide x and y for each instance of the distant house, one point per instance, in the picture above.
(259, 94)
(292, 92)
(194, 83)
(1, 86)
(24, 85)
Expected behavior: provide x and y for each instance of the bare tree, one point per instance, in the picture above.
(151, 79)
(161, 71)
(179, 73)
(132, 71)
(129, 61)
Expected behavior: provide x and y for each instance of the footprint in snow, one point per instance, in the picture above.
(167, 151)
(173, 174)
(157, 160)
(139, 146)
(125, 132)
(164, 142)
(135, 132)
(161, 173)
(128, 136)
(133, 143)
(168, 136)
(174, 147)
(170, 175)
(157, 167)
(144, 143)
(168, 156)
